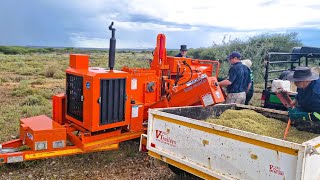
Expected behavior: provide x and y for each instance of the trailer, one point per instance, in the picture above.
(180, 137)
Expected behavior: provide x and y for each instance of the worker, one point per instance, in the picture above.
(238, 80)
(183, 51)
(248, 63)
(306, 104)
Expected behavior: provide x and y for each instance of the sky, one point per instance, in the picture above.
(196, 23)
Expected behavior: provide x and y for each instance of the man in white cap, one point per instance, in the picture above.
(306, 113)
(248, 63)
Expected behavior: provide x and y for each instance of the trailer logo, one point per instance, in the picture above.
(164, 138)
(276, 170)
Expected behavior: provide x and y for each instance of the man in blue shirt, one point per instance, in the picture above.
(238, 82)
(306, 113)
(183, 51)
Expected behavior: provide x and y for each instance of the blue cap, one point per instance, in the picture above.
(234, 55)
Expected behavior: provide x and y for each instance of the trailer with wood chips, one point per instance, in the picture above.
(182, 138)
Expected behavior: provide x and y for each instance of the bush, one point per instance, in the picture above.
(51, 70)
(13, 50)
(33, 100)
(38, 81)
(255, 49)
(35, 110)
(23, 89)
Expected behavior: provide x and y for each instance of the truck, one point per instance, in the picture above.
(182, 138)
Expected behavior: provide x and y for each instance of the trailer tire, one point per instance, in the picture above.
(181, 173)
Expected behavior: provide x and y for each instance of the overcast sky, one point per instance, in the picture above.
(197, 23)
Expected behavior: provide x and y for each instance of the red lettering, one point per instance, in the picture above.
(276, 170)
(158, 133)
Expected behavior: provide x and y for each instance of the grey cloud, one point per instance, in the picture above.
(60, 23)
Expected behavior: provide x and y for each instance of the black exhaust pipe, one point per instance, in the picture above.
(112, 48)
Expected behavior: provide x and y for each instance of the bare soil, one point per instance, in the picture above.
(125, 163)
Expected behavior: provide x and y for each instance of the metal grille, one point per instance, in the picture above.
(113, 97)
(75, 96)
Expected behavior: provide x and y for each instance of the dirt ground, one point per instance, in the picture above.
(125, 163)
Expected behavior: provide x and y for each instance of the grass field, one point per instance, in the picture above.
(27, 83)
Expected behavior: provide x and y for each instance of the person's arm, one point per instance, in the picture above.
(224, 83)
(293, 103)
(249, 86)
(249, 79)
(231, 77)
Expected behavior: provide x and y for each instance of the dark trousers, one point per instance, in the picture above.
(248, 97)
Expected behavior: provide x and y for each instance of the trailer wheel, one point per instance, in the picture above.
(181, 173)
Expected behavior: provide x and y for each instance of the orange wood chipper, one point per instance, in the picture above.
(103, 107)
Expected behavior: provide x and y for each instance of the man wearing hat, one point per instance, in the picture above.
(248, 63)
(238, 82)
(307, 101)
(183, 51)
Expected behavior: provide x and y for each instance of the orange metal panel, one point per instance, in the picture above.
(42, 129)
(137, 111)
(91, 106)
(140, 80)
(41, 123)
(12, 144)
(90, 103)
(175, 62)
(79, 61)
(58, 108)
(193, 93)
(87, 139)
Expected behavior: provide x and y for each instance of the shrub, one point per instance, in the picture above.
(23, 89)
(255, 49)
(35, 99)
(38, 81)
(51, 70)
(35, 110)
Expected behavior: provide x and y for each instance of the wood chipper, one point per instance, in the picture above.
(103, 107)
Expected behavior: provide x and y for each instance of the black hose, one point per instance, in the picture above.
(191, 74)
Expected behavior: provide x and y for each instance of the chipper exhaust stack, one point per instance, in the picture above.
(112, 49)
(102, 108)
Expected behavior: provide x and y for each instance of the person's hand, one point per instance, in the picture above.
(293, 103)
(281, 90)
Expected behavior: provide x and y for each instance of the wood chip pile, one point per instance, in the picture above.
(251, 121)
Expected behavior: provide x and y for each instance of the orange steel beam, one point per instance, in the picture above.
(12, 144)
(32, 155)
(79, 147)
(112, 140)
